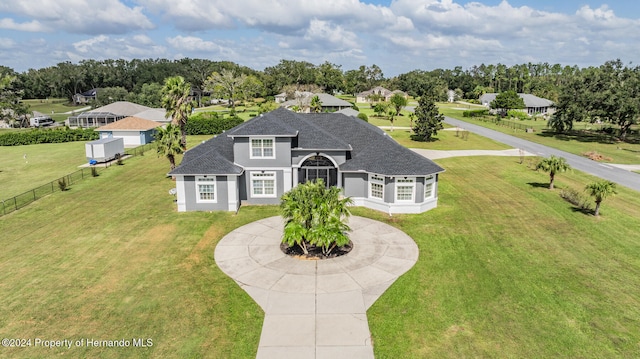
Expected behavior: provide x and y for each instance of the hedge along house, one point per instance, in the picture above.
(259, 160)
(133, 130)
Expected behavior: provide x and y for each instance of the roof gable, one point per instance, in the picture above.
(130, 123)
(268, 124)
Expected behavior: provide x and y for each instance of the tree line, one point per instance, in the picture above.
(67, 79)
(608, 93)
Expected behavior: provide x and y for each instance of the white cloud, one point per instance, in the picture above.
(106, 47)
(6, 43)
(76, 16)
(200, 46)
(31, 26)
(191, 15)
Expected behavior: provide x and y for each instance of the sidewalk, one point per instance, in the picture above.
(315, 308)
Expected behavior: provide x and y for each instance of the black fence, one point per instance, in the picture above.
(505, 123)
(15, 203)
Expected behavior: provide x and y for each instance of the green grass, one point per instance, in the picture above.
(46, 163)
(57, 105)
(111, 259)
(448, 140)
(578, 143)
(508, 269)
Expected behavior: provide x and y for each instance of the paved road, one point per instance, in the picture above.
(602, 170)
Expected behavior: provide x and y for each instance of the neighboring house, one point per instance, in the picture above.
(85, 97)
(281, 97)
(533, 104)
(134, 131)
(259, 160)
(329, 103)
(451, 95)
(383, 93)
(113, 112)
(349, 112)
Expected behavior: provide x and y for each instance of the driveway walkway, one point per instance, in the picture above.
(315, 308)
(435, 154)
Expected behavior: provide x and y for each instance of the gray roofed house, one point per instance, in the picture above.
(349, 112)
(329, 103)
(532, 103)
(113, 112)
(383, 93)
(259, 160)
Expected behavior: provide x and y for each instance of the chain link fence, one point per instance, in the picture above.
(15, 203)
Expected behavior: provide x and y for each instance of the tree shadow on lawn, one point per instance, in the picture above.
(585, 211)
(581, 136)
(538, 184)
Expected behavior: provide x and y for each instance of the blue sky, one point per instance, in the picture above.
(398, 35)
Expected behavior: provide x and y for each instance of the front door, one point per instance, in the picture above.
(316, 167)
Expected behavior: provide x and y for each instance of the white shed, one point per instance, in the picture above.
(104, 149)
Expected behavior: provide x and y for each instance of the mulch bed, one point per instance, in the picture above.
(315, 253)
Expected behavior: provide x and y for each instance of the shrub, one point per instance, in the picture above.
(475, 113)
(363, 117)
(520, 115)
(210, 123)
(57, 135)
(62, 184)
(315, 216)
(576, 198)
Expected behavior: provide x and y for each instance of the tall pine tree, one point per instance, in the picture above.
(428, 119)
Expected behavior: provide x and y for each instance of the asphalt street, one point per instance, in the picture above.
(602, 170)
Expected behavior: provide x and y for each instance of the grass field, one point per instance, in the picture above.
(57, 105)
(45, 163)
(578, 143)
(506, 269)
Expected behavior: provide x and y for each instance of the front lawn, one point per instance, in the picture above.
(508, 269)
(448, 140)
(111, 259)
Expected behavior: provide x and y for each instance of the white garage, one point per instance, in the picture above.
(134, 131)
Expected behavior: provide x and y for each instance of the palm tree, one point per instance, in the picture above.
(315, 216)
(599, 191)
(553, 165)
(168, 143)
(316, 104)
(176, 100)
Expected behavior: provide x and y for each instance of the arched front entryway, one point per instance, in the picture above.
(318, 166)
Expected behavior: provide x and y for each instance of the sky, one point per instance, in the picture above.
(397, 35)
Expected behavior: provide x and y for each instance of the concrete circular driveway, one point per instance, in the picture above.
(315, 308)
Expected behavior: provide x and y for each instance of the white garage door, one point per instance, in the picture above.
(131, 138)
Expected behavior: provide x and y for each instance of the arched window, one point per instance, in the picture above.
(316, 167)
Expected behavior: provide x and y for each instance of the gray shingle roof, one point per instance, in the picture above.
(272, 123)
(326, 100)
(371, 149)
(529, 100)
(214, 156)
